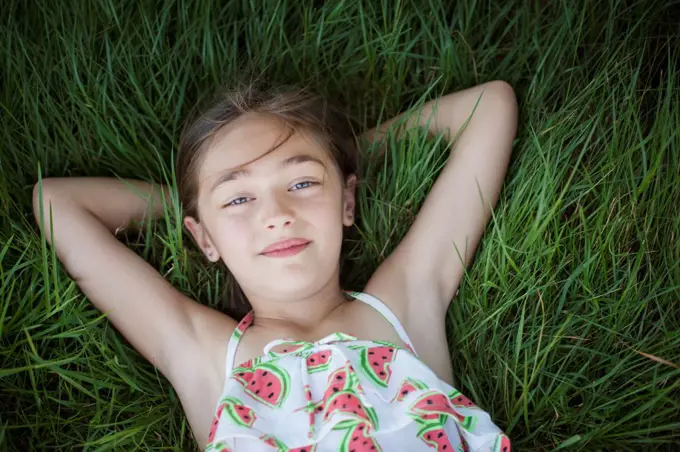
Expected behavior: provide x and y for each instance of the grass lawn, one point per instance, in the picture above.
(567, 325)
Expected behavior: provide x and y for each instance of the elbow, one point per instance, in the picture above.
(504, 94)
(36, 198)
(505, 104)
(502, 90)
(42, 195)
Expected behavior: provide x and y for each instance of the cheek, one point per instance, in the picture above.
(235, 236)
(324, 212)
(327, 221)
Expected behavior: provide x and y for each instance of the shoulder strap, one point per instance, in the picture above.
(386, 312)
(235, 339)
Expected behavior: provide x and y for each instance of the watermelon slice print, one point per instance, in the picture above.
(266, 383)
(215, 423)
(408, 386)
(357, 440)
(436, 437)
(502, 444)
(280, 446)
(348, 403)
(459, 400)
(337, 337)
(463, 444)
(243, 325)
(219, 447)
(432, 404)
(250, 363)
(376, 362)
(319, 361)
(310, 448)
(238, 412)
(309, 407)
(253, 362)
(342, 379)
(271, 440)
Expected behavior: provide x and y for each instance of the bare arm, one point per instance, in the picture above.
(427, 266)
(113, 204)
(146, 309)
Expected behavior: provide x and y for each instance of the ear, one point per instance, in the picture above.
(202, 238)
(349, 200)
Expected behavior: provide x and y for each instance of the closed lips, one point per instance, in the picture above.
(284, 244)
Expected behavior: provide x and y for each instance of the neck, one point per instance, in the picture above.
(316, 307)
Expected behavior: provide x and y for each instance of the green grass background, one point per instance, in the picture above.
(567, 325)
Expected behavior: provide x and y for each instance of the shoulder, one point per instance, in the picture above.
(199, 361)
(211, 331)
(398, 284)
(425, 327)
(198, 370)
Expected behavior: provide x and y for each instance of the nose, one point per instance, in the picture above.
(277, 214)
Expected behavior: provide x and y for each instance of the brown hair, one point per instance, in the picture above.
(299, 108)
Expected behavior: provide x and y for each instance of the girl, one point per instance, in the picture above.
(267, 180)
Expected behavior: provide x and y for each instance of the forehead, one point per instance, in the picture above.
(249, 140)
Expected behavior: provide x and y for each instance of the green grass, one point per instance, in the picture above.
(567, 325)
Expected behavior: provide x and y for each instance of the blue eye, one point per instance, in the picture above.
(301, 185)
(237, 201)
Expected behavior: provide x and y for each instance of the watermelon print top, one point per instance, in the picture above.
(342, 394)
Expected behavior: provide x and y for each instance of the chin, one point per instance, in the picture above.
(298, 282)
(297, 285)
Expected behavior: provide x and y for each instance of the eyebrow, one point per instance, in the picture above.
(234, 174)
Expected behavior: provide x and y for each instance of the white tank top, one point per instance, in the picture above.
(344, 394)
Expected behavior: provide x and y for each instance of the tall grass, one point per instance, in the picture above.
(567, 325)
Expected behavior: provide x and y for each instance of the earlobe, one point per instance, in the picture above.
(202, 239)
(348, 218)
(349, 200)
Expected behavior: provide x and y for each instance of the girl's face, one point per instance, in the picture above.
(294, 195)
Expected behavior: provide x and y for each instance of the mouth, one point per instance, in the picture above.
(286, 248)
